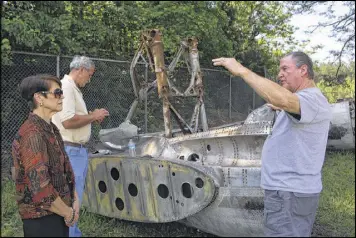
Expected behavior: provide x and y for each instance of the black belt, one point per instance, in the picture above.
(74, 144)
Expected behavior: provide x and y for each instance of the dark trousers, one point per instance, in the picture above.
(47, 226)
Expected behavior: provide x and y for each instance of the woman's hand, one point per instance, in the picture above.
(76, 206)
(71, 217)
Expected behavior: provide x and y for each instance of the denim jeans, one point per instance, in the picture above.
(78, 157)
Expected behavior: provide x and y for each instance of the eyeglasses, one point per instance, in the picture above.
(57, 92)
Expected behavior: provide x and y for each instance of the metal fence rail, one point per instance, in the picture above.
(227, 98)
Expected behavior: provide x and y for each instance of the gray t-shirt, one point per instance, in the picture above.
(293, 155)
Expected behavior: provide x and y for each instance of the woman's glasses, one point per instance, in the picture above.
(57, 92)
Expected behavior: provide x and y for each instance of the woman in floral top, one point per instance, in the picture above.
(43, 175)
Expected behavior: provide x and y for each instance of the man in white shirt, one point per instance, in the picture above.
(74, 122)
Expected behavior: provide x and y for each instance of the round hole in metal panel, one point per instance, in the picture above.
(115, 173)
(187, 190)
(199, 182)
(193, 157)
(119, 204)
(163, 191)
(133, 190)
(208, 147)
(102, 187)
(173, 174)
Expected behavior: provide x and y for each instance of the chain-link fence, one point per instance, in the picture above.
(227, 99)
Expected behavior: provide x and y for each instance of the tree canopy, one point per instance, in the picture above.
(343, 26)
(257, 33)
(246, 30)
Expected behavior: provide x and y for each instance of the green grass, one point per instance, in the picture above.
(336, 212)
(335, 216)
(92, 225)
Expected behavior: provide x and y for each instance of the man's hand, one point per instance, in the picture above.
(274, 107)
(230, 64)
(99, 114)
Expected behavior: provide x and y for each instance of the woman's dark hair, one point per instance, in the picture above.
(36, 83)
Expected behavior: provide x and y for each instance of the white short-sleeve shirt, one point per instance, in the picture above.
(73, 103)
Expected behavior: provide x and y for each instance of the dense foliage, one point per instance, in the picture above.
(250, 31)
(340, 87)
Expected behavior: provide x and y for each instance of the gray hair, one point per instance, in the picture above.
(300, 59)
(81, 61)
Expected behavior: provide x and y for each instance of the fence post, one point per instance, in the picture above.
(57, 66)
(146, 76)
(230, 101)
(265, 71)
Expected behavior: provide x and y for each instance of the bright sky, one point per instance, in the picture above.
(320, 36)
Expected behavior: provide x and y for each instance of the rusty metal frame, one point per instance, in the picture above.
(151, 46)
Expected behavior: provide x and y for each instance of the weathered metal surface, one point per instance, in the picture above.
(152, 39)
(342, 126)
(196, 81)
(195, 88)
(154, 43)
(151, 42)
(236, 212)
(227, 157)
(145, 189)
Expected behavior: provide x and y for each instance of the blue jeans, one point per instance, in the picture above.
(79, 160)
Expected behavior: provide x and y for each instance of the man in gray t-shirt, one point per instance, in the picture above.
(293, 154)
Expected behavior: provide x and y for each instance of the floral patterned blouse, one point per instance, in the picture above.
(42, 168)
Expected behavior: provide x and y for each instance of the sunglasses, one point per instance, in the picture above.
(57, 93)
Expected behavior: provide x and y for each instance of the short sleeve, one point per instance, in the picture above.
(68, 110)
(313, 107)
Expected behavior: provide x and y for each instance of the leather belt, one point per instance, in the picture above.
(73, 144)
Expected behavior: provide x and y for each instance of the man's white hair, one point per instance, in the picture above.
(81, 61)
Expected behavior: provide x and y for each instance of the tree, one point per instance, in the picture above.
(343, 27)
(246, 30)
(258, 29)
(325, 78)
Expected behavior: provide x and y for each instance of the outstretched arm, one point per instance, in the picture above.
(270, 91)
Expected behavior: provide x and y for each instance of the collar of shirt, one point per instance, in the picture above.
(37, 120)
(71, 81)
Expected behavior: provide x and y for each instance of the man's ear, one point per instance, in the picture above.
(304, 69)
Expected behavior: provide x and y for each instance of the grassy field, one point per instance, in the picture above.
(335, 217)
(336, 213)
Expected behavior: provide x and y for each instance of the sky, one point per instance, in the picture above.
(321, 36)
